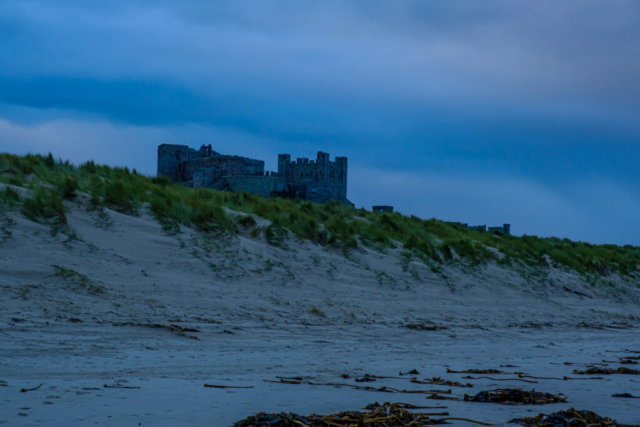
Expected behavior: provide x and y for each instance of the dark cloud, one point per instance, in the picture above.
(544, 93)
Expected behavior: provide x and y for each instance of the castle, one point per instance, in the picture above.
(317, 180)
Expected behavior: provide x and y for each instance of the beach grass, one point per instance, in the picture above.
(54, 181)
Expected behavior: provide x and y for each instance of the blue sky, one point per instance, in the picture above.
(481, 112)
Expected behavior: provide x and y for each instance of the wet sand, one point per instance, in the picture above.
(265, 311)
(74, 362)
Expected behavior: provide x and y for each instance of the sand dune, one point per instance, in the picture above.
(78, 305)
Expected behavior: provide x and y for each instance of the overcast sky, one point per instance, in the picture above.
(524, 112)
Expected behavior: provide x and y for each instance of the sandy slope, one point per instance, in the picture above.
(298, 310)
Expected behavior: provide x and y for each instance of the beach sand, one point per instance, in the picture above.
(78, 309)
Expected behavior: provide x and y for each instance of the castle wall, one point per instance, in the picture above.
(265, 186)
(321, 192)
(225, 165)
(317, 180)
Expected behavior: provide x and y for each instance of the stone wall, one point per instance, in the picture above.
(222, 165)
(266, 186)
(183, 164)
(317, 180)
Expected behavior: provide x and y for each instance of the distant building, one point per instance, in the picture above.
(383, 208)
(505, 229)
(317, 180)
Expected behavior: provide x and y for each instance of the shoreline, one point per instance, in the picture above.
(171, 371)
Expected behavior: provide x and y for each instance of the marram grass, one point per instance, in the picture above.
(54, 181)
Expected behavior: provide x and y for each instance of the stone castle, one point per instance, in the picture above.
(317, 180)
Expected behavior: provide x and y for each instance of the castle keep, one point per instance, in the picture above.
(318, 180)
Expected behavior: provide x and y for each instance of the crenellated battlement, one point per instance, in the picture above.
(318, 180)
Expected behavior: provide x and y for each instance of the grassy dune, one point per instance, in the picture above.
(53, 181)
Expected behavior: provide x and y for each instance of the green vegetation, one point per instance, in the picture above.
(77, 280)
(45, 204)
(9, 196)
(317, 312)
(330, 224)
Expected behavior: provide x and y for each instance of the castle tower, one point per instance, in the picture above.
(324, 165)
(342, 176)
(284, 160)
(169, 158)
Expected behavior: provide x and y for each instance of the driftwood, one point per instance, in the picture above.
(380, 377)
(402, 405)
(119, 386)
(225, 386)
(589, 378)
(384, 389)
(560, 379)
(476, 371)
(436, 396)
(377, 377)
(578, 363)
(440, 381)
(24, 390)
(283, 381)
(500, 379)
(467, 420)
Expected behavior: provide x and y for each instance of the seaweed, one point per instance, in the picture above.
(569, 418)
(604, 371)
(376, 415)
(515, 396)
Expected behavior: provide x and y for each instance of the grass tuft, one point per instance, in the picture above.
(45, 204)
(9, 196)
(334, 224)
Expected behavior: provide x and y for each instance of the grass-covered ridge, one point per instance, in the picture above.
(52, 182)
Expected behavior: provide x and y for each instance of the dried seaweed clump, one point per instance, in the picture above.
(476, 371)
(377, 415)
(263, 419)
(515, 396)
(604, 371)
(569, 418)
(423, 327)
